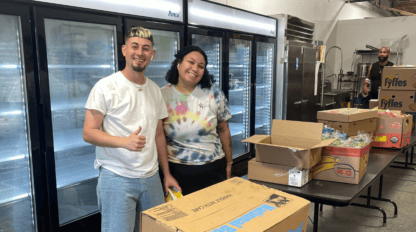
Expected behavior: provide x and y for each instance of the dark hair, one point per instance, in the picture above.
(172, 76)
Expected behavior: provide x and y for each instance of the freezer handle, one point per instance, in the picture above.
(297, 103)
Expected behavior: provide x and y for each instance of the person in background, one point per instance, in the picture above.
(197, 133)
(374, 75)
(124, 120)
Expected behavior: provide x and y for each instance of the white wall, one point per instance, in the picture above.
(356, 34)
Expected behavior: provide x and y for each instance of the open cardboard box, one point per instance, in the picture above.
(342, 164)
(292, 143)
(232, 205)
(393, 132)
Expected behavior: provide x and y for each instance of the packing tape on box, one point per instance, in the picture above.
(297, 168)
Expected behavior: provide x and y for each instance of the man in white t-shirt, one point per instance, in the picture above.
(124, 120)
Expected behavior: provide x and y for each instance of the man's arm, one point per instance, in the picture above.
(225, 136)
(92, 134)
(160, 138)
(365, 86)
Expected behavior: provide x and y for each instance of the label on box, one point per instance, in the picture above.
(297, 177)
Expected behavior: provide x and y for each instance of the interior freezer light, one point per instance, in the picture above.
(235, 20)
(153, 4)
(9, 66)
(15, 112)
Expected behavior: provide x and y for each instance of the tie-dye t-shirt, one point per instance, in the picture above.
(190, 128)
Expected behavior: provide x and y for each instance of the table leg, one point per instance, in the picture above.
(315, 217)
(405, 163)
(379, 198)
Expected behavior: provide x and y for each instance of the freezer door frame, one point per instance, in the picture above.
(247, 37)
(46, 137)
(273, 90)
(37, 161)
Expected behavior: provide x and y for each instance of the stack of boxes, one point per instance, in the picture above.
(398, 89)
(345, 164)
(288, 154)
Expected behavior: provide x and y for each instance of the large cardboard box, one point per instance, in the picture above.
(350, 120)
(232, 205)
(278, 174)
(397, 100)
(341, 164)
(292, 143)
(393, 131)
(398, 78)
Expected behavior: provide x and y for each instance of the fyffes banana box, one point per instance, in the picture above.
(398, 78)
(397, 100)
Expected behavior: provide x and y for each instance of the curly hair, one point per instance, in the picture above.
(172, 76)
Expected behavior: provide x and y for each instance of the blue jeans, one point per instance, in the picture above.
(122, 199)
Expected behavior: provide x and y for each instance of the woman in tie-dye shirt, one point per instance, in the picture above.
(197, 133)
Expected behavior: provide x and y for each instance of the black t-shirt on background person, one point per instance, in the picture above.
(375, 77)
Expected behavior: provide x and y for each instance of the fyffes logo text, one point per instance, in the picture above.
(392, 81)
(390, 103)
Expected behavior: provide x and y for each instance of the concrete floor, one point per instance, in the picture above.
(399, 185)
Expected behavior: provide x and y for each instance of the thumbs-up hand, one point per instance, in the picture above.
(135, 142)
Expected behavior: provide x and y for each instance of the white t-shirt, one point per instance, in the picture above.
(125, 109)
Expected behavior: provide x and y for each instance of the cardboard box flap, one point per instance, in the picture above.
(293, 142)
(324, 143)
(297, 129)
(256, 139)
(231, 202)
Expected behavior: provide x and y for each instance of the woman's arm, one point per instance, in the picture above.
(225, 136)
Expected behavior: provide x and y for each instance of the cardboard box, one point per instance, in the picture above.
(398, 78)
(392, 131)
(232, 205)
(292, 143)
(397, 100)
(373, 103)
(346, 114)
(278, 174)
(350, 120)
(352, 128)
(340, 164)
(322, 49)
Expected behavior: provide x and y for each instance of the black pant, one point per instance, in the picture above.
(192, 178)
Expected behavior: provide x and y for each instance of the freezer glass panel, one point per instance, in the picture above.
(79, 54)
(212, 46)
(16, 208)
(264, 78)
(166, 46)
(239, 93)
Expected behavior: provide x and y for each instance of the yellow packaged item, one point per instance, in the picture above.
(173, 194)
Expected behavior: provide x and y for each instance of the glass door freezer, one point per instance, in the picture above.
(19, 143)
(239, 94)
(265, 69)
(212, 43)
(73, 56)
(168, 39)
